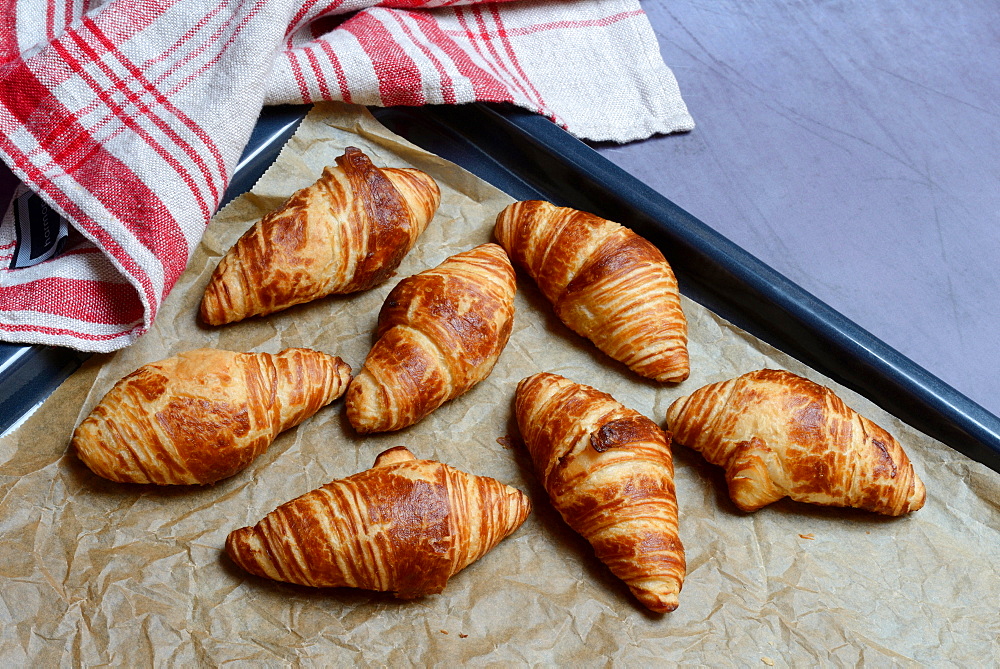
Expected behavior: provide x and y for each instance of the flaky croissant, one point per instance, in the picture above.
(609, 472)
(605, 283)
(404, 526)
(205, 414)
(778, 434)
(440, 332)
(347, 232)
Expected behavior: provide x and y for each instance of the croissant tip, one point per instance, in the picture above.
(658, 602)
(361, 428)
(230, 546)
(918, 498)
(744, 507)
(394, 455)
(356, 401)
(206, 315)
(239, 549)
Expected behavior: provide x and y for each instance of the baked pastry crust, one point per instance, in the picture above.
(404, 526)
(205, 414)
(440, 332)
(609, 472)
(605, 283)
(345, 233)
(778, 434)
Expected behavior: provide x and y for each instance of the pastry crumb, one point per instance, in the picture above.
(443, 631)
(462, 636)
(768, 661)
(506, 442)
(809, 536)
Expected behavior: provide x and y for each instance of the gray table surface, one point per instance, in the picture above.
(855, 148)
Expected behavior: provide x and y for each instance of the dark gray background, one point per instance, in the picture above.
(855, 148)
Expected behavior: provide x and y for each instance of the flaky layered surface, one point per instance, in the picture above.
(404, 526)
(605, 283)
(609, 472)
(440, 332)
(778, 434)
(347, 232)
(205, 414)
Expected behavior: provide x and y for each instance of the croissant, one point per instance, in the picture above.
(609, 472)
(778, 434)
(347, 232)
(605, 282)
(404, 526)
(204, 415)
(440, 332)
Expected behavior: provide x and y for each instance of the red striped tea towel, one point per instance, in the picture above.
(125, 118)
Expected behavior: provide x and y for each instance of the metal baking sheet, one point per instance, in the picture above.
(529, 157)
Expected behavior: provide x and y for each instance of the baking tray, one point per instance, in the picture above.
(529, 157)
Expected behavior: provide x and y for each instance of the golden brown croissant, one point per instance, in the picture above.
(345, 233)
(778, 434)
(605, 283)
(440, 332)
(609, 472)
(404, 526)
(203, 415)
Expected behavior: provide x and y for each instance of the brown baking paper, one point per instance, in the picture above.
(101, 573)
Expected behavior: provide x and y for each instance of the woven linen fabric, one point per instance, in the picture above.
(127, 117)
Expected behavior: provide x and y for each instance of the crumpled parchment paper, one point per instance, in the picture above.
(101, 573)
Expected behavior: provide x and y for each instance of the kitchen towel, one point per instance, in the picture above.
(121, 121)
